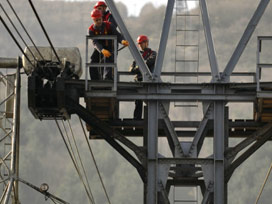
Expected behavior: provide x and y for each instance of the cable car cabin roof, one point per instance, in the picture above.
(70, 54)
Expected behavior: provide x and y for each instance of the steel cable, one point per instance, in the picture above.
(77, 166)
(14, 39)
(98, 172)
(79, 174)
(15, 13)
(38, 18)
(16, 30)
(79, 157)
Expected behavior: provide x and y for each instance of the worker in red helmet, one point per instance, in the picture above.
(107, 16)
(103, 48)
(149, 57)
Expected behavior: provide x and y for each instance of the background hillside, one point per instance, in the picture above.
(43, 155)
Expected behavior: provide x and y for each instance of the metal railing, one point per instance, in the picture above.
(259, 64)
(89, 65)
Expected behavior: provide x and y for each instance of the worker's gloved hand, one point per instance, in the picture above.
(125, 43)
(106, 53)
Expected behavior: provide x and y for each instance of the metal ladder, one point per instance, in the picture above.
(187, 45)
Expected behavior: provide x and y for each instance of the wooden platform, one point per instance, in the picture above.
(104, 108)
(263, 110)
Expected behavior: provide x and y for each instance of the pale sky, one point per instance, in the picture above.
(134, 6)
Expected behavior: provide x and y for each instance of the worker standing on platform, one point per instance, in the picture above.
(149, 57)
(107, 16)
(103, 48)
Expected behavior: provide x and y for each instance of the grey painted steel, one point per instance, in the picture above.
(219, 146)
(152, 151)
(244, 40)
(247, 154)
(14, 140)
(8, 62)
(147, 76)
(171, 130)
(186, 97)
(249, 140)
(164, 38)
(200, 130)
(185, 161)
(209, 41)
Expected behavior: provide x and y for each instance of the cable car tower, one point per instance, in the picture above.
(186, 168)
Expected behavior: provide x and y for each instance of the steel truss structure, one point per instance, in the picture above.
(9, 132)
(185, 168)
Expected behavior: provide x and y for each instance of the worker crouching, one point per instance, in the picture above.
(103, 49)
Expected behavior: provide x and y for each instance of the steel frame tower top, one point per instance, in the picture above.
(218, 168)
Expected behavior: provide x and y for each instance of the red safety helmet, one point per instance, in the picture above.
(142, 38)
(96, 14)
(100, 3)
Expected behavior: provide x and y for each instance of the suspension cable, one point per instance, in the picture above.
(97, 169)
(265, 180)
(15, 13)
(79, 156)
(14, 39)
(38, 18)
(79, 174)
(17, 31)
(82, 166)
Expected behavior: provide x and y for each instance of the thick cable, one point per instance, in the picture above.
(79, 174)
(265, 180)
(74, 157)
(79, 156)
(95, 164)
(82, 166)
(38, 18)
(15, 13)
(16, 30)
(14, 39)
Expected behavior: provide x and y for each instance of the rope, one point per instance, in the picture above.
(265, 180)
(79, 174)
(98, 172)
(24, 28)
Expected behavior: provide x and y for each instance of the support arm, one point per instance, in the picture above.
(164, 38)
(244, 40)
(133, 49)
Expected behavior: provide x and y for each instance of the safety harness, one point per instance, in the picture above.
(105, 31)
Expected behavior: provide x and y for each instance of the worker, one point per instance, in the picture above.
(103, 49)
(107, 16)
(149, 57)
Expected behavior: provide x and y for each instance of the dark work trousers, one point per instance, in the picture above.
(96, 73)
(138, 110)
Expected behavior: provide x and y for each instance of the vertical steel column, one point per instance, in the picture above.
(164, 38)
(219, 146)
(226, 146)
(152, 151)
